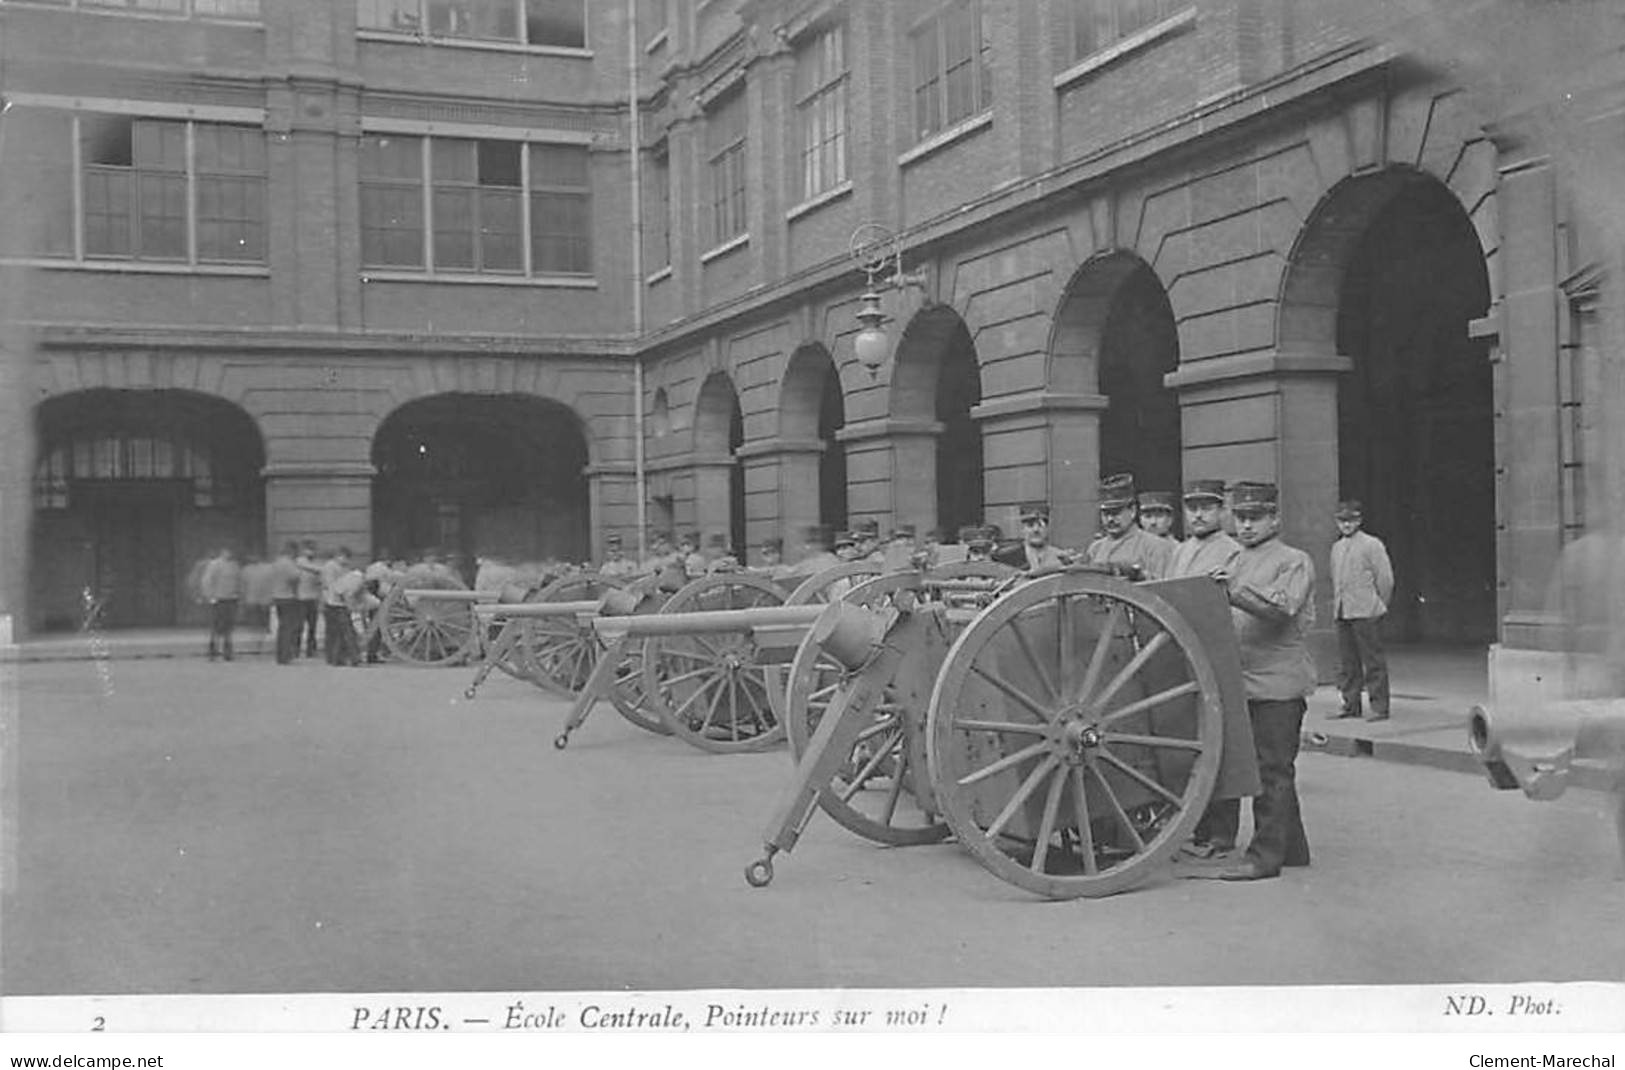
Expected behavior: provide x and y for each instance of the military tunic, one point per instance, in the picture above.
(622, 569)
(1274, 657)
(1138, 547)
(1199, 555)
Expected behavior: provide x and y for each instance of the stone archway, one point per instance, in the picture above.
(1115, 338)
(1388, 275)
(131, 488)
(719, 474)
(937, 438)
(812, 411)
(472, 474)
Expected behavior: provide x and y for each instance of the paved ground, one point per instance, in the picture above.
(188, 827)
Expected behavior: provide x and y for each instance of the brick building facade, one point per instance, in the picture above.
(1298, 240)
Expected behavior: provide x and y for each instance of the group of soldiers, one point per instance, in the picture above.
(1231, 534)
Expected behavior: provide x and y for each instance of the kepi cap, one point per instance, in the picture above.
(1254, 498)
(1349, 509)
(869, 527)
(1208, 489)
(1117, 491)
(903, 531)
(1157, 499)
(1034, 511)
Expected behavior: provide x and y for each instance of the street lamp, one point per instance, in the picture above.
(877, 252)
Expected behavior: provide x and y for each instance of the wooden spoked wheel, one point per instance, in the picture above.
(709, 689)
(558, 653)
(426, 631)
(870, 795)
(867, 797)
(1074, 735)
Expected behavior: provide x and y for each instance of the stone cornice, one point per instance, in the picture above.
(1038, 401)
(1267, 363)
(778, 446)
(293, 340)
(318, 470)
(883, 427)
(688, 461)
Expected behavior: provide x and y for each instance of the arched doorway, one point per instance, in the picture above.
(719, 431)
(131, 488)
(812, 408)
(938, 380)
(1416, 439)
(1139, 431)
(1115, 337)
(473, 475)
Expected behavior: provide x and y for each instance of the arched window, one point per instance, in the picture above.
(120, 457)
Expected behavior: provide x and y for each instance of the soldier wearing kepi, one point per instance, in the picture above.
(867, 535)
(1207, 550)
(1271, 586)
(1157, 514)
(815, 552)
(1125, 545)
(1034, 552)
(616, 564)
(1362, 584)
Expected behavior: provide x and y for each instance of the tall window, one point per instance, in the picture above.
(657, 242)
(1099, 23)
(821, 76)
(203, 9)
(159, 190)
(493, 207)
(725, 144)
(556, 23)
(952, 79)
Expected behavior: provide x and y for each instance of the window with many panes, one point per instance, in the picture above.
(725, 127)
(1097, 24)
(203, 9)
(821, 78)
(553, 23)
(479, 206)
(952, 79)
(148, 189)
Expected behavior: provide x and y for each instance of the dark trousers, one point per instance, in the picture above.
(340, 642)
(1278, 836)
(1363, 665)
(309, 607)
(1220, 823)
(222, 621)
(290, 620)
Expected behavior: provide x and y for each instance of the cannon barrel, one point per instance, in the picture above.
(534, 610)
(706, 622)
(450, 594)
(1540, 751)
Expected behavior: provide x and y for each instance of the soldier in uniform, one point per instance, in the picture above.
(846, 546)
(688, 554)
(718, 555)
(867, 535)
(1034, 551)
(815, 553)
(661, 555)
(1125, 545)
(1157, 513)
(1207, 550)
(979, 543)
(1362, 585)
(616, 563)
(1271, 587)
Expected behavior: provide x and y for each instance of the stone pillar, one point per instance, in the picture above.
(328, 502)
(1272, 416)
(1527, 405)
(612, 496)
(1042, 446)
(781, 488)
(712, 504)
(891, 470)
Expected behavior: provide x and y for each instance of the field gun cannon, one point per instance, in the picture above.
(1067, 729)
(1544, 749)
